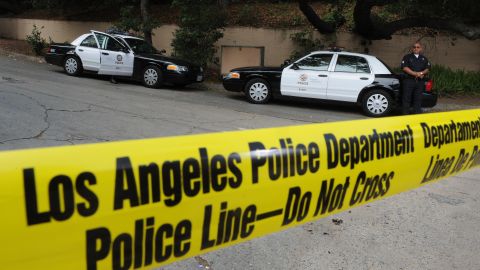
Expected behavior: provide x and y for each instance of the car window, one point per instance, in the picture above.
(318, 62)
(124, 43)
(113, 45)
(140, 45)
(108, 43)
(101, 39)
(350, 63)
(89, 42)
(387, 66)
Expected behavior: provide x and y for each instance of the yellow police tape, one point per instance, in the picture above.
(145, 203)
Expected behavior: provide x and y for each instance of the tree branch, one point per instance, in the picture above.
(366, 28)
(322, 26)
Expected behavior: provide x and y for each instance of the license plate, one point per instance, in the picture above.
(199, 78)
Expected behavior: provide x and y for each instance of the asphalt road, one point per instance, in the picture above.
(433, 227)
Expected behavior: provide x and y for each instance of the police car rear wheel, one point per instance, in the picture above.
(152, 77)
(72, 65)
(377, 103)
(258, 91)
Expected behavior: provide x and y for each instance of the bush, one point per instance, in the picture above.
(36, 41)
(131, 20)
(455, 82)
(305, 43)
(247, 16)
(201, 24)
(448, 82)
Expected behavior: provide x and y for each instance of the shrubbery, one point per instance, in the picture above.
(36, 41)
(305, 43)
(201, 25)
(454, 82)
(448, 82)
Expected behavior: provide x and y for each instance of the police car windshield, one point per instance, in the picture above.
(140, 46)
(387, 66)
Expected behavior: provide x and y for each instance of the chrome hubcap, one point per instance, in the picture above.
(71, 65)
(258, 91)
(150, 76)
(377, 104)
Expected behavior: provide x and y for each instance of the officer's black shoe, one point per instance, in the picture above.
(112, 80)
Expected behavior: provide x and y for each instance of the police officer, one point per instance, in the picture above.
(416, 66)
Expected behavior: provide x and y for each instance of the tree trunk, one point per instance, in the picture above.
(147, 27)
(322, 26)
(366, 28)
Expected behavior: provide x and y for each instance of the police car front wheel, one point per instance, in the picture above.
(258, 91)
(377, 103)
(152, 77)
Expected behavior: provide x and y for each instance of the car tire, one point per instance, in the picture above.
(152, 77)
(258, 91)
(72, 65)
(377, 103)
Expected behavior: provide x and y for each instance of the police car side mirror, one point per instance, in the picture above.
(125, 50)
(286, 63)
(295, 66)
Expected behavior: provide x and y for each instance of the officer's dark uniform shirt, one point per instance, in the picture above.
(415, 64)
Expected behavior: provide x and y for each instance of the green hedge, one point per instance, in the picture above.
(448, 82)
(455, 82)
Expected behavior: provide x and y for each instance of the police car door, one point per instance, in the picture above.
(89, 53)
(114, 58)
(307, 77)
(349, 76)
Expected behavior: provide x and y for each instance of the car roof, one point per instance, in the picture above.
(125, 36)
(345, 53)
(113, 34)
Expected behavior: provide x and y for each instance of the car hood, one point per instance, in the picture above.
(159, 57)
(247, 69)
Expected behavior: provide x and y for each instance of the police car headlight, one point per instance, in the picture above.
(233, 75)
(177, 68)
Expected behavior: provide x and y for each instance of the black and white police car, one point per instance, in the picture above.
(327, 75)
(122, 55)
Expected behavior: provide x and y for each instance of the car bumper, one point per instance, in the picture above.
(429, 100)
(234, 85)
(183, 78)
(54, 59)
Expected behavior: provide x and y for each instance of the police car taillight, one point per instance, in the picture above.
(429, 86)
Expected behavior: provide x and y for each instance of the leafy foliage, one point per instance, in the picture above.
(64, 5)
(36, 41)
(449, 82)
(201, 25)
(247, 16)
(462, 9)
(131, 20)
(453, 82)
(305, 43)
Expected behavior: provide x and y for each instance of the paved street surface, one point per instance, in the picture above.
(434, 227)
